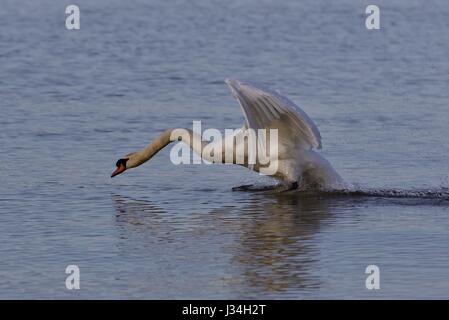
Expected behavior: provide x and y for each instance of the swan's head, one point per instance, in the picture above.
(121, 166)
(131, 160)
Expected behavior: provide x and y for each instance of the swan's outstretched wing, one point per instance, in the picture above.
(265, 109)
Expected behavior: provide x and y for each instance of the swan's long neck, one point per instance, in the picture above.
(188, 136)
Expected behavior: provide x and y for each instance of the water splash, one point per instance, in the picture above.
(440, 193)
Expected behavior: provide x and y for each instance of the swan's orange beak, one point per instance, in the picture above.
(120, 168)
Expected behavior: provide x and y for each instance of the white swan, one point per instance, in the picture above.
(299, 165)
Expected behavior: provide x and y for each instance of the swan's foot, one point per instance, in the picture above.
(273, 189)
(283, 187)
(246, 187)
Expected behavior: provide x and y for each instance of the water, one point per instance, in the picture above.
(73, 102)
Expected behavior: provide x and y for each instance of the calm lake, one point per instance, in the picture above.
(74, 101)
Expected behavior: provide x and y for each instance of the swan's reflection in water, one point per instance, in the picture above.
(263, 243)
(275, 250)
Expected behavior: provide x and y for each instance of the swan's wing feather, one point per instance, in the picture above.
(265, 109)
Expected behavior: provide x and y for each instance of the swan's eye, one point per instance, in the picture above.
(121, 162)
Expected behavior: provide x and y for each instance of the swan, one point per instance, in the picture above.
(299, 165)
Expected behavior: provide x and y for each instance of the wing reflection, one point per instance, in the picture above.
(276, 250)
(271, 239)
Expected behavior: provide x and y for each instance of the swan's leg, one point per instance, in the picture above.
(283, 187)
(274, 188)
(246, 187)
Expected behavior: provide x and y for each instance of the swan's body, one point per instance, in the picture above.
(298, 164)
